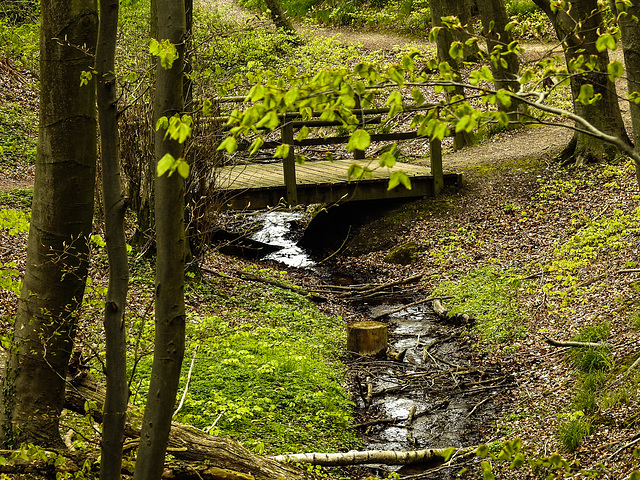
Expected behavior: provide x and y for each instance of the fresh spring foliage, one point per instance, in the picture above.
(266, 370)
(490, 296)
(18, 134)
(15, 222)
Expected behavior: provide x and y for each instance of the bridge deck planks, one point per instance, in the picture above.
(262, 185)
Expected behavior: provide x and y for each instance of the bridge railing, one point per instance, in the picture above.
(372, 116)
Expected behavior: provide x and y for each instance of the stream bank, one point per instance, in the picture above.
(430, 391)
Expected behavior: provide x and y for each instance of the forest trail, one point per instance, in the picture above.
(541, 142)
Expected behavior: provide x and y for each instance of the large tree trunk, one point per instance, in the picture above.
(439, 9)
(186, 443)
(61, 221)
(114, 210)
(170, 257)
(279, 17)
(578, 32)
(631, 48)
(504, 66)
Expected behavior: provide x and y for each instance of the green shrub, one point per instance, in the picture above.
(520, 8)
(17, 198)
(588, 391)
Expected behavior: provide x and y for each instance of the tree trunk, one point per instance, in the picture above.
(278, 16)
(439, 9)
(114, 210)
(578, 32)
(504, 67)
(170, 257)
(631, 50)
(61, 222)
(185, 443)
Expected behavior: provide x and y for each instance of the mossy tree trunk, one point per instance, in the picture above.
(578, 27)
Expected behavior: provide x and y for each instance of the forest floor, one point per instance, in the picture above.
(571, 237)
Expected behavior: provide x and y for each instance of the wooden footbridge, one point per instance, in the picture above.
(257, 186)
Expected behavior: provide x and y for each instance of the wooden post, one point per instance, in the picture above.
(367, 338)
(359, 154)
(289, 165)
(436, 166)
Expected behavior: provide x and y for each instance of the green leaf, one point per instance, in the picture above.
(387, 159)
(255, 145)
(270, 121)
(256, 93)
(605, 41)
(587, 96)
(634, 475)
(359, 140)
(183, 168)
(456, 50)
(164, 164)
(354, 171)
(303, 133)
(282, 151)
(229, 144)
(616, 70)
(399, 178)
(504, 98)
(418, 97)
(300, 159)
(482, 451)
(440, 131)
(518, 461)
(291, 96)
(163, 122)
(448, 452)
(396, 76)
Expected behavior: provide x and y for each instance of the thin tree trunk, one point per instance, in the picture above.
(578, 32)
(170, 259)
(61, 222)
(114, 210)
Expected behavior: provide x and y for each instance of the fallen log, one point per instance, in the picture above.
(372, 456)
(573, 344)
(185, 443)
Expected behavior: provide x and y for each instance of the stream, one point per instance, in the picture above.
(430, 394)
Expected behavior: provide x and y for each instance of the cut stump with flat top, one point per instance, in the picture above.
(367, 338)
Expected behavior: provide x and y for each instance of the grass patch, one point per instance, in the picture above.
(592, 359)
(491, 297)
(266, 371)
(572, 431)
(20, 198)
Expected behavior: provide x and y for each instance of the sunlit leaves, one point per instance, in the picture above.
(359, 140)
(269, 121)
(456, 50)
(165, 51)
(229, 144)
(169, 164)
(477, 76)
(398, 177)
(358, 172)
(587, 96)
(615, 70)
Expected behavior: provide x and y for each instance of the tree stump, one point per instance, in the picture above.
(367, 338)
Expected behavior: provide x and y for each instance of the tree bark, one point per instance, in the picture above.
(503, 66)
(578, 32)
(185, 443)
(278, 16)
(628, 22)
(439, 9)
(114, 210)
(170, 257)
(61, 221)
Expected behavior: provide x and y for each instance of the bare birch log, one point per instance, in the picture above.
(371, 456)
(560, 343)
